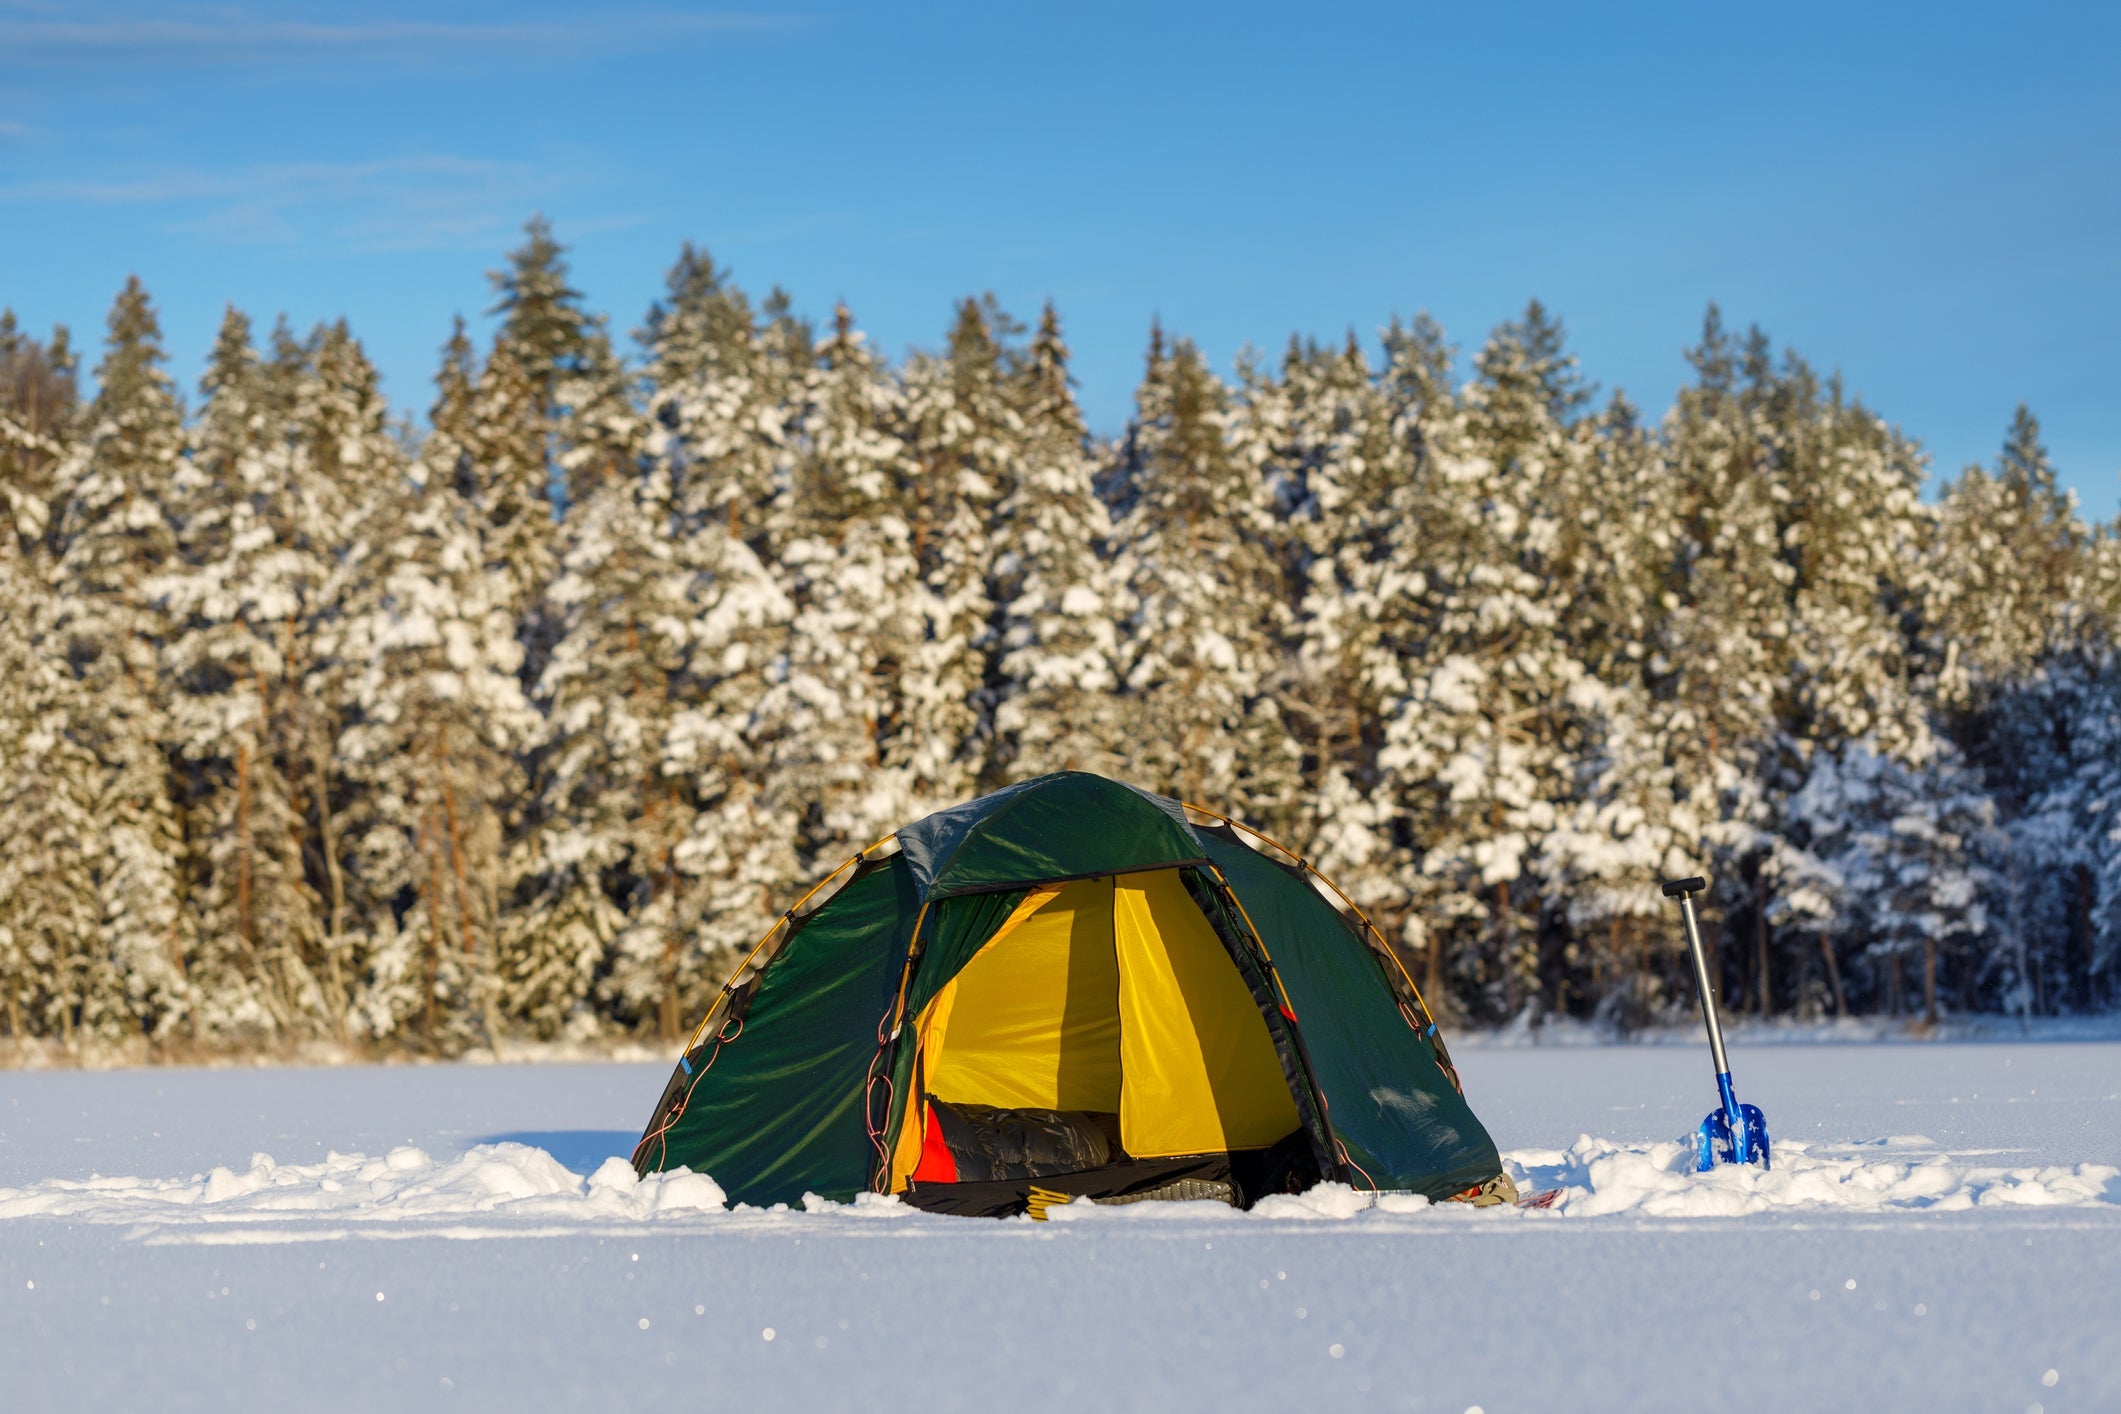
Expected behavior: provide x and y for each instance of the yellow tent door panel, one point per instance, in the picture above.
(1107, 995)
(1200, 1071)
(1032, 1022)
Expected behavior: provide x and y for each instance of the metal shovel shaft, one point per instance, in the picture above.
(1703, 985)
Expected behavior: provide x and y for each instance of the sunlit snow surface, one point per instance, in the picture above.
(1942, 1229)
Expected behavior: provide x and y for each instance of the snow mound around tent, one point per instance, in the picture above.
(404, 1184)
(517, 1187)
(1597, 1177)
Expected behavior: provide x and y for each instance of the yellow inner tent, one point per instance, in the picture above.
(1107, 995)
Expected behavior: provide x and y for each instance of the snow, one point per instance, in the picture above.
(1939, 1231)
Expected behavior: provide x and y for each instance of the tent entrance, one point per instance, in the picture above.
(1112, 998)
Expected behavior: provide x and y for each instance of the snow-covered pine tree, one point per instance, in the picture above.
(236, 604)
(725, 395)
(1206, 607)
(836, 713)
(115, 536)
(1896, 855)
(37, 412)
(1052, 589)
(2011, 562)
(1482, 746)
(738, 865)
(1369, 463)
(648, 779)
(579, 857)
(434, 744)
(1339, 460)
(2023, 646)
(729, 393)
(1857, 541)
(608, 820)
(1854, 537)
(349, 462)
(502, 447)
(1717, 655)
(964, 436)
(1638, 813)
(55, 975)
(1291, 433)
(551, 409)
(2090, 975)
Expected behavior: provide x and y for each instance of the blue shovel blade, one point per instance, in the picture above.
(1715, 1144)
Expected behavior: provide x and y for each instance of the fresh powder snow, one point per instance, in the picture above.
(1939, 1231)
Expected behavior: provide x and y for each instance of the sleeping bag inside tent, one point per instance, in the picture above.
(1070, 988)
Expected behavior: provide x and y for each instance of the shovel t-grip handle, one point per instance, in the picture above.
(1683, 890)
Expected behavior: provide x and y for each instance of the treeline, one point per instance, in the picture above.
(314, 727)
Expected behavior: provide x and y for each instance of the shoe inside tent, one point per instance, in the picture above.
(1069, 988)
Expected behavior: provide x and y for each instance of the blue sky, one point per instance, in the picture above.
(1924, 196)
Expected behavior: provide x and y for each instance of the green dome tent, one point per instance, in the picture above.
(1069, 987)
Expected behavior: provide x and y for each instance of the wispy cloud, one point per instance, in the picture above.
(12, 131)
(236, 38)
(421, 201)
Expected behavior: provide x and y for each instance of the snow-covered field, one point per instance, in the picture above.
(1942, 1231)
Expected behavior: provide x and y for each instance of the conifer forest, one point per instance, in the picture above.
(526, 718)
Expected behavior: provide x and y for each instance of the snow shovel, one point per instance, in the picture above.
(1734, 1134)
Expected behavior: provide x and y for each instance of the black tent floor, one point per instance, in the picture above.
(1005, 1198)
(1287, 1167)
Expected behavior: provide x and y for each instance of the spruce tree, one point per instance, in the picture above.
(725, 397)
(965, 436)
(57, 974)
(2011, 564)
(1341, 465)
(1717, 655)
(836, 713)
(38, 405)
(116, 536)
(236, 604)
(1051, 588)
(1206, 606)
(434, 750)
(1483, 745)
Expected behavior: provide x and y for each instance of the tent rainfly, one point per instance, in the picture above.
(1070, 988)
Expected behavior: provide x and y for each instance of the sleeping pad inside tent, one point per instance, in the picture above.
(1069, 988)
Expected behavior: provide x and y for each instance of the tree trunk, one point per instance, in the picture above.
(668, 1021)
(1432, 970)
(2082, 962)
(185, 876)
(456, 845)
(423, 850)
(1602, 958)
(1833, 971)
(1506, 947)
(1929, 981)
(334, 874)
(244, 929)
(482, 992)
(1765, 980)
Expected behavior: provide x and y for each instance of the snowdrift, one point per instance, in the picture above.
(515, 1189)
